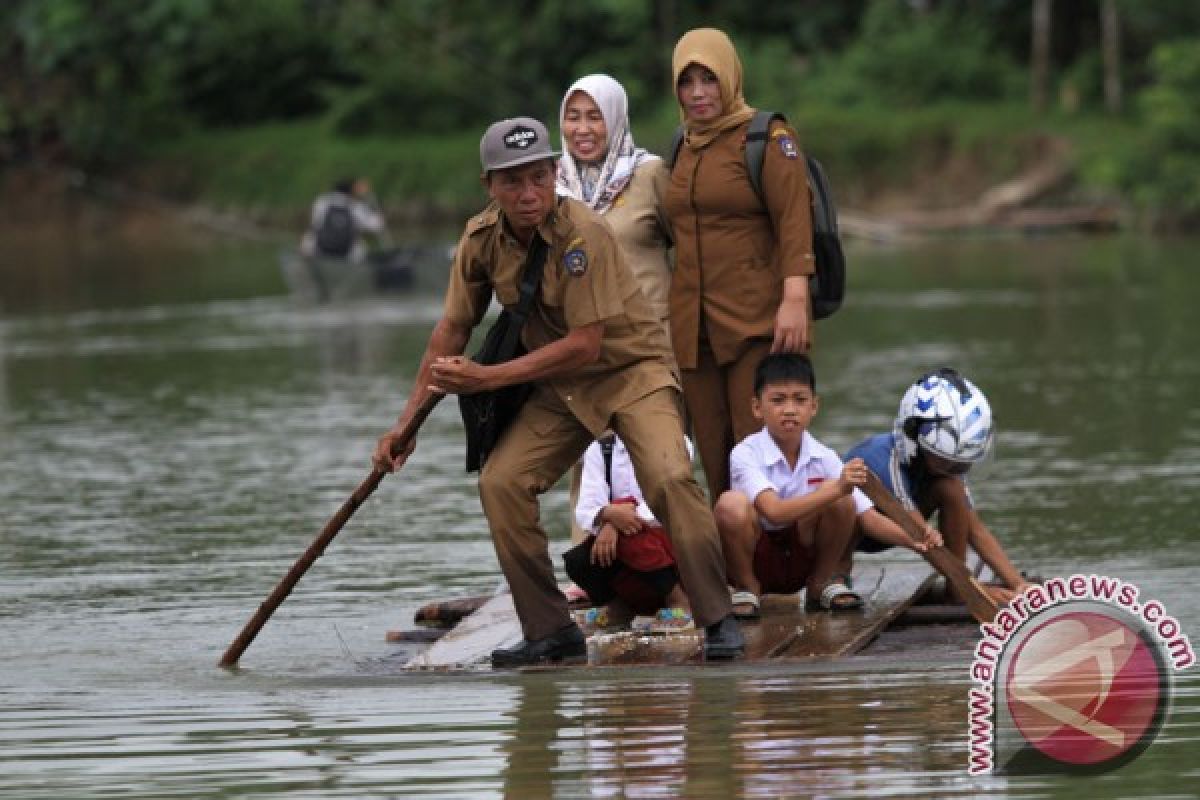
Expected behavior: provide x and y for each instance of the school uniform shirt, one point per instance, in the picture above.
(732, 253)
(757, 464)
(585, 280)
(882, 457)
(595, 492)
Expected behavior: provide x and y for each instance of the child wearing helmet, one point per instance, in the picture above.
(942, 429)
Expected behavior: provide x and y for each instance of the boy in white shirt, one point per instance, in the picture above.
(626, 561)
(789, 516)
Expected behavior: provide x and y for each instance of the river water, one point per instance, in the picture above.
(175, 429)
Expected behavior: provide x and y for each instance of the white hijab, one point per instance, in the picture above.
(598, 185)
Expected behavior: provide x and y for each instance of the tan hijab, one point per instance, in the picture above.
(712, 49)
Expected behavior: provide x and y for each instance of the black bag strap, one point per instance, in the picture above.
(823, 213)
(756, 147)
(531, 279)
(676, 143)
(607, 442)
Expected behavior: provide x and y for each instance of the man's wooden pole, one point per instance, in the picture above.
(314, 551)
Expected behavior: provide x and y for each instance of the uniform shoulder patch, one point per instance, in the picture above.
(575, 259)
(483, 220)
(787, 145)
(785, 137)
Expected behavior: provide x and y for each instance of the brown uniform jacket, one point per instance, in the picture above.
(585, 280)
(731, 253)
(643, 232)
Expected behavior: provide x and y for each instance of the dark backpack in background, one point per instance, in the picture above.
(335, 235)
(827, 287)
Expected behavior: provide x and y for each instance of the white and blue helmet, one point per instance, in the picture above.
(945, 414)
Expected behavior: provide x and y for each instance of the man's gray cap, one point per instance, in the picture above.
(512, 142)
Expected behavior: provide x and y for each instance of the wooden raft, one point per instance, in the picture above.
(889, 584)
(469, 644)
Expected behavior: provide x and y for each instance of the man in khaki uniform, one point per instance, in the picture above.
(598, 358)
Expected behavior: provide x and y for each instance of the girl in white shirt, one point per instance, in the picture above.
(626, 561)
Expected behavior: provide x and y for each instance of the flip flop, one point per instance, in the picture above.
(835, 596)
(748, 603)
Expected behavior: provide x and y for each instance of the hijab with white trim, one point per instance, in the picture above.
(598, 185)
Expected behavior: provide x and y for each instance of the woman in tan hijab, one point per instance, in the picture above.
(740, 286)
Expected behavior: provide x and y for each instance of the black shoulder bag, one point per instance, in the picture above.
(486, 415)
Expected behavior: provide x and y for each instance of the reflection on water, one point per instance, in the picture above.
(843, 731)
(168, 447)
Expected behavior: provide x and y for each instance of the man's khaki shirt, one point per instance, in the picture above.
(584, 280)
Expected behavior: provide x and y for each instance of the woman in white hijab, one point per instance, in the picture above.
(603, 168)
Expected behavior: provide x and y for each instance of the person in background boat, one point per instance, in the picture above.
(597, 359)
(626, 561)
(603, 168)
(740, 285)
(942, 429)
(789, 517)
(340, 218)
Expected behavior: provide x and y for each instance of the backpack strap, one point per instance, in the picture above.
(676, 143)
(531, 279)
(756, 147)
(607, 441)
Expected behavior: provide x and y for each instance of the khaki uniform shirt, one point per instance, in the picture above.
(585, 280)
(731, 253)
(643, 232)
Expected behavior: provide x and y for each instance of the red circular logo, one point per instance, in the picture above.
(1086, 688)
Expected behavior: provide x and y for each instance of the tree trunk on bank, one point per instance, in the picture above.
(1110, 28)
(1039, 61)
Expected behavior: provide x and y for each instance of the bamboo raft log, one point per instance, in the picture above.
(889, 582)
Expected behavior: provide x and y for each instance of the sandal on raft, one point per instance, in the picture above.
(836, 596)
(745, 604)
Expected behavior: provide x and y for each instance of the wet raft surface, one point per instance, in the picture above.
(888, 583)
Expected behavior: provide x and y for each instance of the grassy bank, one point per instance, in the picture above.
(936, 156)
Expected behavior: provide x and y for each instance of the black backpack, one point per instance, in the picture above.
(827, 287)
(335, 235)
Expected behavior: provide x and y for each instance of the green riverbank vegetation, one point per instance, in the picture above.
(255, 107)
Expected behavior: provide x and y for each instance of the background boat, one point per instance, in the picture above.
(322, 279)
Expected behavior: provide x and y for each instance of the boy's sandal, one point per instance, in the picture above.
(835, 597)
(745, 604)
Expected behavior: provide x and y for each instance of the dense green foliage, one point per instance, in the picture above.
(1166, 175)
(296, 92)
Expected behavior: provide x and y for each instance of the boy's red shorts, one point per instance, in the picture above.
(781, 564)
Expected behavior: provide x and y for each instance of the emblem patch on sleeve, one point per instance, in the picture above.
(787, 146)
(575, 259)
